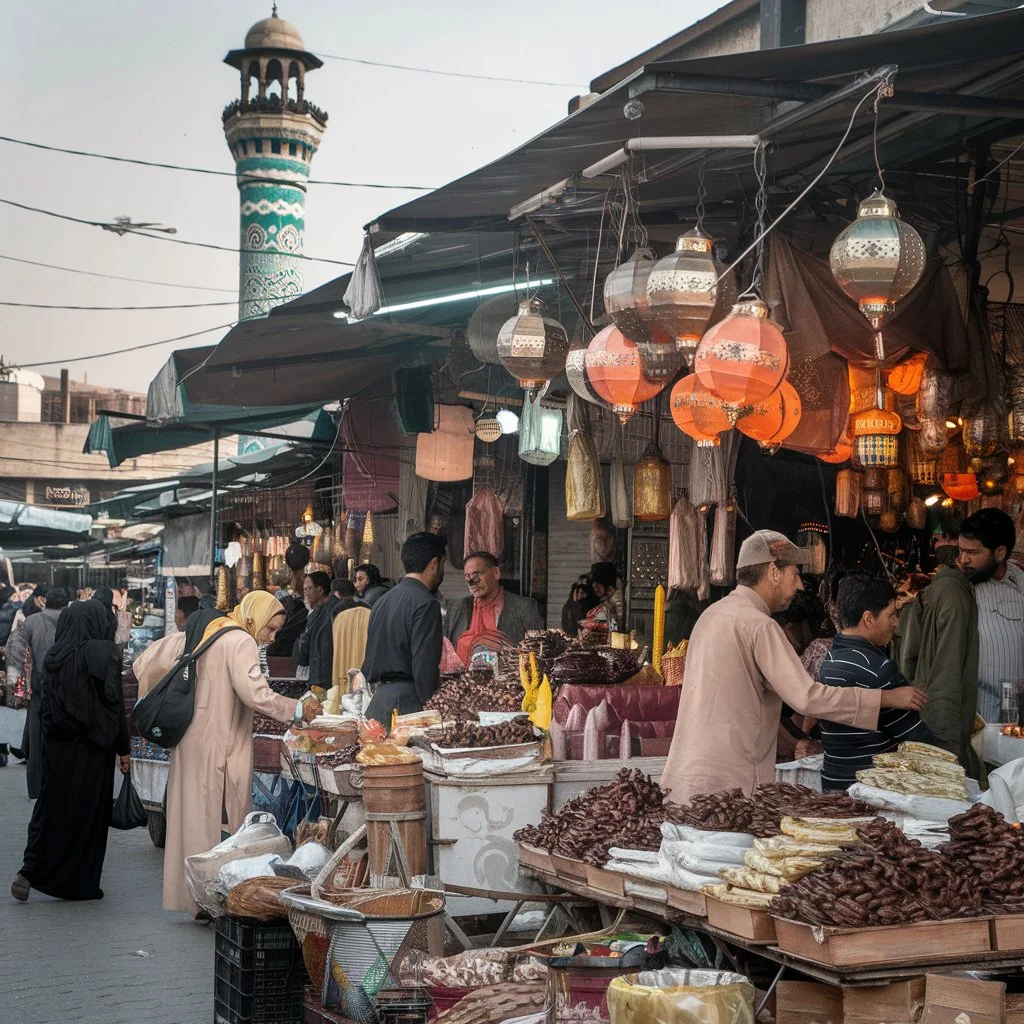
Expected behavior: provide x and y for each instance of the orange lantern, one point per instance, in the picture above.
(744, 358)
(698, 413)
(905, 377)
(615, 372)
(961, 486)
(875, 441)
(774, 419)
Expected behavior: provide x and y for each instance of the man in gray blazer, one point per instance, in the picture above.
(491, 614)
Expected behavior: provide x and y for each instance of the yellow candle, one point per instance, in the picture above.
(658, 642)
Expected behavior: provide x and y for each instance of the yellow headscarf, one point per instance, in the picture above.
(253, 614)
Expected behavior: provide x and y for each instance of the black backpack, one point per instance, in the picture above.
(165, 713)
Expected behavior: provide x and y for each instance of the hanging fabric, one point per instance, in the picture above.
(540, 431)
(622, 512)
(602, 542)
(584, 493)
(723, 546)
(485, 522)
(688, 567)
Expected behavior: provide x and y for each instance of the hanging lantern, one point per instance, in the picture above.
(876, 478)
(1015, 417)
(625, 294)
(935, 396)
(980, 435)
(878, 259)
(889, 521)
(486, 321)
(872, 501)
(576, 367)
(613, 368)
(961, 486)
(446, 454)
(848, 488)
(922, 466)
(774, 419)
(905, 378)
(681, 289)
(993, 473)
(744, 358)
(540, 433)
(917, 514)
(652, 486)
(698, 413)
(875, 441)
(532, 346)
(838, 455)
(488, 429)
(932, 437)
(897, 488)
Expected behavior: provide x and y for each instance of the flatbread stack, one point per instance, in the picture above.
(917, 769)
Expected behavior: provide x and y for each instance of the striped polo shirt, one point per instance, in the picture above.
(1001, 636)
(853, 661)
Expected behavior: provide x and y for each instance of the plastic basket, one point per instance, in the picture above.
(233, 1007)
(251, 943)
(259, 981)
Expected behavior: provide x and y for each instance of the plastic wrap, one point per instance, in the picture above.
(681, 997)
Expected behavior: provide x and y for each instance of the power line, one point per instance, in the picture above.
(204, 170)
(167, 238)
(115, 277)
(448, 74)
(121, 351)
(119, 309)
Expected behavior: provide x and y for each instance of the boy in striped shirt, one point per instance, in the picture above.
(867, 618)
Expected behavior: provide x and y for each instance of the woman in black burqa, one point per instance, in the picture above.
(84, 726)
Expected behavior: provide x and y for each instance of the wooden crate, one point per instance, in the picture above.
(569, 867)
(753, 925)
(1007, 931)
(530, 856)
(925, 942)
(695, 903)
(606, 881)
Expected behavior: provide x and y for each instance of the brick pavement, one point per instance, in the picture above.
(73, 963)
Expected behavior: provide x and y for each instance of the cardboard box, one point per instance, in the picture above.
(899, 1003)
(1008, 931)
(953, 1000)
(753, 925)
(808, 1002)
(606, 881)
(689, 902)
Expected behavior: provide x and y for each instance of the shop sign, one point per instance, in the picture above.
(67, 494)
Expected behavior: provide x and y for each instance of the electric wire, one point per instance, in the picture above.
(166, 238)
(130, 309)
(116, 277)
(204, 170)
(122, 351)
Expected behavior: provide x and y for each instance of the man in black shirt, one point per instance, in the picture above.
(867, 617)
(403, 644)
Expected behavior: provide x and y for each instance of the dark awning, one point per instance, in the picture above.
(25, 526)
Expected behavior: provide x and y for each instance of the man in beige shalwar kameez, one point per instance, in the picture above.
(740, 668)
(211, 768)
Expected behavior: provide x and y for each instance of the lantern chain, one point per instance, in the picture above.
(761, 215)
(880, 79)
(702, 194)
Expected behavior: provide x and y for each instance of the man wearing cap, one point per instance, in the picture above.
(740, 668)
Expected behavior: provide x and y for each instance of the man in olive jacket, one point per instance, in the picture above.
(939, 653)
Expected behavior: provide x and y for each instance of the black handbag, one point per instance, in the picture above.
(165, 713)
(128, 811)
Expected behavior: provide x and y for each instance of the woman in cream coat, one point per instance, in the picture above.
(211, 768)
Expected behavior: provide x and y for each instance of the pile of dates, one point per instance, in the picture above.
(627, 813)
(337, 758)
(760, 815)
(469, 734)
(887, 879)
(460, 698)
(982, 843)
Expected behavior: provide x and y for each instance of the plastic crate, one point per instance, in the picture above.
(253, 945)
(256, 981)
(233, 1007)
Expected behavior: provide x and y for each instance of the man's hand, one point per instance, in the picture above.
(907, 698)
(125, 763)
(311, 709)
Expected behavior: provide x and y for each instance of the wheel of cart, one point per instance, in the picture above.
(157, 823)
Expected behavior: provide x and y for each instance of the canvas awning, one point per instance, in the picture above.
(24, 526)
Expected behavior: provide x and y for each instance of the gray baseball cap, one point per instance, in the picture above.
(770, 546)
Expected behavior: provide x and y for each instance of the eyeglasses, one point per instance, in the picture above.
(473, 578)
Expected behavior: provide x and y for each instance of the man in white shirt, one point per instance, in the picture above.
(986, 540)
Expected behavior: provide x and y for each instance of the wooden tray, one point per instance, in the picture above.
(695, 903)
(606, 881)
(753, 925)
(927, 941)
(531, 856)
(1007, 932)
(569, 867)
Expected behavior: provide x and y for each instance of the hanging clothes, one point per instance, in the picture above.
(687, 550)
(485, 522)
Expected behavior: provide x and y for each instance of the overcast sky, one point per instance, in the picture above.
(145, 80)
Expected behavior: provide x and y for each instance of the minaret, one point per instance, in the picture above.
(272, 131)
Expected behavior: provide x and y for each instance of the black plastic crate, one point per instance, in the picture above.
(256, 981)
(253, 945)
(233, 1007)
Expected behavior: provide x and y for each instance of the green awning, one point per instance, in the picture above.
(121, 443)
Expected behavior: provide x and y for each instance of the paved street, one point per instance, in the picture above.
(76, 962)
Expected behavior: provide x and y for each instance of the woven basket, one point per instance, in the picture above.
(257, 898)
(672, 669)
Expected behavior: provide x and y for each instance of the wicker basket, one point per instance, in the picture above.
(672, 669)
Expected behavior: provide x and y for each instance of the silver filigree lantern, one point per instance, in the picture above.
(532, 346)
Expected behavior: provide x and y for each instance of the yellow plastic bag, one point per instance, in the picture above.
(681, 997)
(541, 713)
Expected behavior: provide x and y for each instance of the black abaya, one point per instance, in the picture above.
(84, 725)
